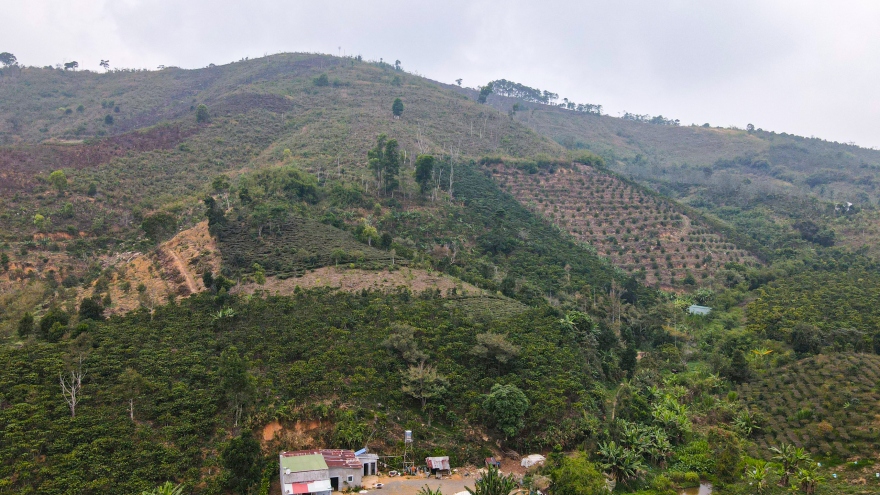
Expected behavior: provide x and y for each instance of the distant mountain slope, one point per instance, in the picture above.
(655, 152)
(765, 183)
(258, 108)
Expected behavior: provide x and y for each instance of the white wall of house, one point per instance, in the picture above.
(370, 464)
(348, 477)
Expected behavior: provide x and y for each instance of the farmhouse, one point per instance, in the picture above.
(438, 464)
(302, 473)
(320, 471)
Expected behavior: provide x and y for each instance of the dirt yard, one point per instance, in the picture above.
(410, 485)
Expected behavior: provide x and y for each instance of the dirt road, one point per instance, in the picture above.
(411, 485)
(190, 283)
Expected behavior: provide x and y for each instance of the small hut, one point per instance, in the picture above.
(438, 465)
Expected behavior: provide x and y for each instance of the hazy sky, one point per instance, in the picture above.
(798, 66)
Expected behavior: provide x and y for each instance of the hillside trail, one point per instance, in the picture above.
(190, 283)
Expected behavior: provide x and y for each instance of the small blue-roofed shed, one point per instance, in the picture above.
(699, 310)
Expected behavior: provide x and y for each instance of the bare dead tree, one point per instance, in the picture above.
(453, 157)
(147, 300)
(71, 387)
(420, 142)
(615, 302)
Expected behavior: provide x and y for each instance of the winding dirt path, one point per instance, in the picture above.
(181, 267)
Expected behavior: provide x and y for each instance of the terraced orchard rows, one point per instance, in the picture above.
(826, 404)
(644, 235)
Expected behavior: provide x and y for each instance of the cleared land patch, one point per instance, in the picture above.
(291, 247)
(173, 268)
(353, 279)
(641, 233)
(18, 164)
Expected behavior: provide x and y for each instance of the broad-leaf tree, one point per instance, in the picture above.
(576, 475)
(621, 463)
(236, 381)
(397, 107)
(506, 406)
(58, 179)
(790, 458)
(8, 59)
(424, 172)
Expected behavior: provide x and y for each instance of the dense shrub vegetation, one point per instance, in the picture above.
(167, 371)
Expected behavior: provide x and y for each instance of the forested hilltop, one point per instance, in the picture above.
(201, 268)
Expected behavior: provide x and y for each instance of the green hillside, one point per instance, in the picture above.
(155, 161)
(650, 237)
(825, 404)
(311, 353)
(587, 239)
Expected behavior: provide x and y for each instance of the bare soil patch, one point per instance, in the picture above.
(175, 267)
(19, 163)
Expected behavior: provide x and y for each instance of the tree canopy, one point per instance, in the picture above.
(397, 107)
(8, 59)
(507, 406)
(384, 160)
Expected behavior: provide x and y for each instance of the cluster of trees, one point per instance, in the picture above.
(385, 160)
(520, 91)
(434, 174)
(58, 323)
(267, 197)
(647, 119)
(822, 236)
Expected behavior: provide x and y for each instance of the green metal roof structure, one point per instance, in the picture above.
(300, 463)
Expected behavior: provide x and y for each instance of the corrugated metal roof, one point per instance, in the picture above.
(298, 462)
(334, 458)
(437, 462)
